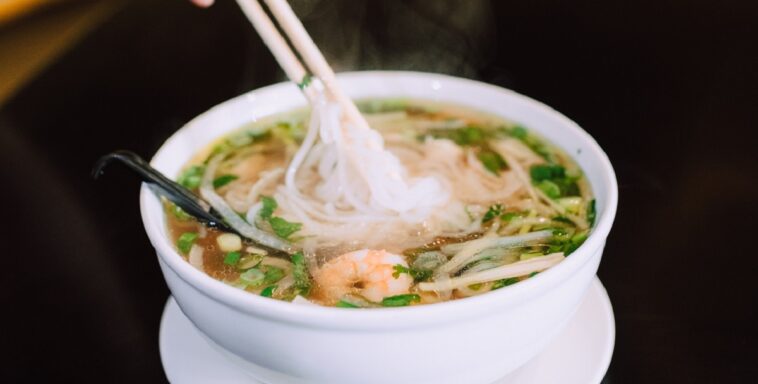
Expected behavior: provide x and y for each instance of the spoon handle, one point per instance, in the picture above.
(163, 186)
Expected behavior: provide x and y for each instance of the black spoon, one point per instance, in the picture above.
(163, 186)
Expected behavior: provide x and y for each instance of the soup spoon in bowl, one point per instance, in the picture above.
(163, 186)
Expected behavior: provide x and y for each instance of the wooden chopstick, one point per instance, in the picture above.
(302, 41)
(273, 40)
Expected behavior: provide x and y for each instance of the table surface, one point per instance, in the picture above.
(668, 89)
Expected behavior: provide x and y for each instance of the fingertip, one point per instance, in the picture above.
(203, 3)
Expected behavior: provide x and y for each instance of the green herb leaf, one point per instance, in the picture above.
(559, 179)
(268, 208)
(185, 241)
(416, 274)
(504, 283)
(466, 136)
(345, 304)
(301, 275)
(249, 261)
(493, 212)
(550, 189)
(284, 228)
(268, 291)
(271, 274)
(492, 161)
(307, 79)
(547, 172)
(232, 258)
(508, 216)
(223, 180)
(192, 176)
(400, 300)
(533, 274)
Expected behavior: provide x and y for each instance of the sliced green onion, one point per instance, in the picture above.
(283, 228)
(504, 283)
(400, 300)
(551, 189)
(300, 273)
(232, 258)
(272, 274)
(253, 276)
(223, 180)
(547, 172)
(185, 241)
(493, 212)
(345, 304)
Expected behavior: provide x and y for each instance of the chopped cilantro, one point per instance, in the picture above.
(232, 258)
(307, 79)
(493, 212)
(400, 300)
(223, 180)
(280, 226)
(417, 275)
(547, 172)
(345, 304)
(271, 274)
(300, 273)
(268, 291)
(554, 180)
(466, 136)
(269, 206)
(283, 228)
(504, 283)
(185, 241)
(492, 161)
(192, 176)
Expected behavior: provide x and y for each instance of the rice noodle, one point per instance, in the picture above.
(230, 216)
(466, 252)
(516, 269)
(343, 183)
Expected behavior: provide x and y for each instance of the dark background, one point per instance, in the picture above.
(668, 88)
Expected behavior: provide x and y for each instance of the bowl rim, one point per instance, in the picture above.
(316, 316)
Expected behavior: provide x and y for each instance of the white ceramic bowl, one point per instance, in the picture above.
(475, 340)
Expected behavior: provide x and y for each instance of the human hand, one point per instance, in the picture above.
(202, 3)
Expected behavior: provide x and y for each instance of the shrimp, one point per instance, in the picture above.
(366, 272)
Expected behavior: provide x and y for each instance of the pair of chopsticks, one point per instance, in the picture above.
(304, 45)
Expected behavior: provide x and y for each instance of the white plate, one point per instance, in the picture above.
(579, 355)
